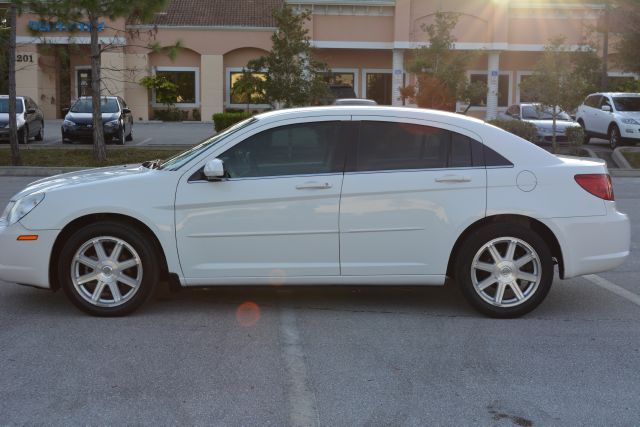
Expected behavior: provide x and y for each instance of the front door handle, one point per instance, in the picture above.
(453, 178)
(312, 185)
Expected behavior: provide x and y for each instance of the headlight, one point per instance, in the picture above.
(630, 122)
(112, 124)
(16, 210)
(68, 123)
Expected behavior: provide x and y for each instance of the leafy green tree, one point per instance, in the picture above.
(93, 10)
(440, 70)
(555, 84)
(292, 76)
(166, 90)
(248, 87)
(626, 18)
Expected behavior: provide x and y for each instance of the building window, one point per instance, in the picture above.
(240, 98)
(342, 83)
(524, 96)
(503, 89)
(187, 81)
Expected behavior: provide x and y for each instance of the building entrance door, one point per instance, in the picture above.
(379, 87)
(83, 81)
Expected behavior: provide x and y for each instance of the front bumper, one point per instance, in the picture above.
(630, 132)
(83, 132)
(592, 244)
(26, 262)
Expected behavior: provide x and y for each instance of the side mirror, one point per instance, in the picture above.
(31, 110)
(126, 110)
(65, 111)
(214, 169)
(606, 108)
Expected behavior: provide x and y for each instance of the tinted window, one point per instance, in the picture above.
(308, 148)
(4, 105)
(391, 146)
(605, 101)
(592, 101)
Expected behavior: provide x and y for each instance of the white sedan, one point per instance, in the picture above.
(322, 196)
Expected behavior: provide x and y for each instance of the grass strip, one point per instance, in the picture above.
(633, 157)
(81, 158)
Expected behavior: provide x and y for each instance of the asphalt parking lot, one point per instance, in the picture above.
(350, 356)
(144, 133)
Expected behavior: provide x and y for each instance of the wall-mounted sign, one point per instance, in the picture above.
(24, 58)
(62, 27)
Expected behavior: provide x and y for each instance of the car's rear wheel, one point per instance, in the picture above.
(23, 135)
(108, 269)
(40, 135)
(614, 137)
(504, 270)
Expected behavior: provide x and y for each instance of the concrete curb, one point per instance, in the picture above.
(619, 158)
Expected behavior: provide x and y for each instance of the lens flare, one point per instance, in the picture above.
(248, 313)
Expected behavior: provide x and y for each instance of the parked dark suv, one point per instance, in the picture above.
(117, 120)
(28, 115)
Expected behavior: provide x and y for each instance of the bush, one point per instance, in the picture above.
(195, 115)
(224, 120)
(575, 136)
(171, 114)
(522, 129)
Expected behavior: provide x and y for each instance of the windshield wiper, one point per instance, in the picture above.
(152, 164)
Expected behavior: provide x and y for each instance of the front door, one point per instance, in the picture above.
(83, 81)
(409, 190)
(275, 216)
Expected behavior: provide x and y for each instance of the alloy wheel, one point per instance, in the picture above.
(106, 271)
(506, 272)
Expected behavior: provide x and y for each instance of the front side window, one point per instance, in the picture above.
(393, 146)
(186, 85)
(300, 149)
(592, 101)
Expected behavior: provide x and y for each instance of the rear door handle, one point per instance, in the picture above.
(453, 178)
(312, 185)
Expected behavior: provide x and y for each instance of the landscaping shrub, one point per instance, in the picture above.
(171, 115)
(222, 121)
(575, 136)
(522, 129)
(195, 115)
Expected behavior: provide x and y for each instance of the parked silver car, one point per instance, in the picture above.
(542, 118)
(30, 119)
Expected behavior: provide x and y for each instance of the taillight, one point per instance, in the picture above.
(598, 184)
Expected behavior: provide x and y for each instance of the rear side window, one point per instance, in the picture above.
(395, 146)
(592, 101)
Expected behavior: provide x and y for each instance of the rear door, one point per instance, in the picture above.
(410, 189)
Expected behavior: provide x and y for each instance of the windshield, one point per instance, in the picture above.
(4, 105)
(532, 112)
(627, 103)
(178, 161)
(107, 105)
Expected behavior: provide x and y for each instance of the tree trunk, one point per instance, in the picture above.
(16, 160)
(604, 82)
(554, 141)
(99, 149)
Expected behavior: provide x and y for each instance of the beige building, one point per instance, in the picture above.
(366, 43)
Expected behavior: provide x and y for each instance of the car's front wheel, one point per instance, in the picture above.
(614, 137)
(108, 269)
(586, 137)
(23, 135)
(504, 270)
(40, 135)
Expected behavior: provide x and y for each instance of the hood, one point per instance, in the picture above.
(82, 177)
(83, 118)
(623, 115)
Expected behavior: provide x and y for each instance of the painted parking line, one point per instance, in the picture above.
(144, 141)
(612, 287)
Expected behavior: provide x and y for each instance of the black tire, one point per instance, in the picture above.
(23, 135)
(532, 293)
(587, 137)
(615, 139)
(130, 136)
(146, 271)
(121, 135)
(40, 135)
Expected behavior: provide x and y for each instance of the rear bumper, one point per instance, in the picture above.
(592, 244)
(25, 262)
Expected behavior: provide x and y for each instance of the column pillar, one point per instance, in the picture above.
(113, 73)
(397, 79)
(212, 81)
(136, 95)
(493, 73)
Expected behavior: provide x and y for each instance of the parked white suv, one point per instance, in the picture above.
(611, 115)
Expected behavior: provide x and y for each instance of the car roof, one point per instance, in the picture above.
(634, 94)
